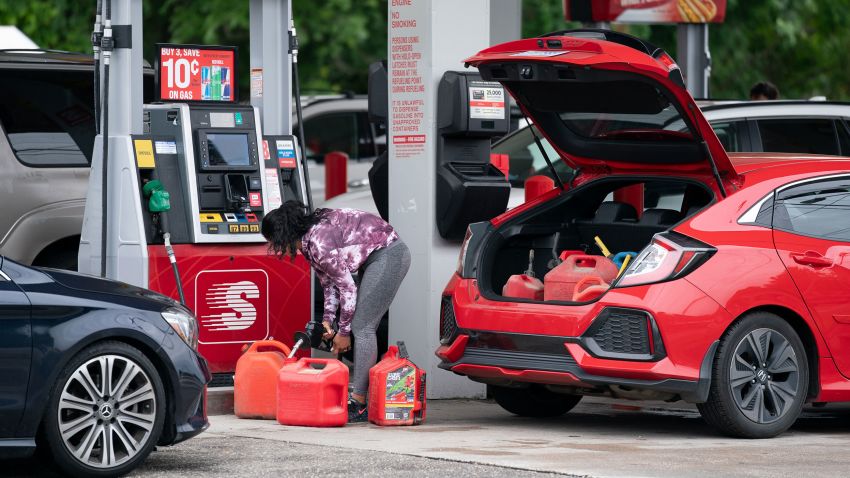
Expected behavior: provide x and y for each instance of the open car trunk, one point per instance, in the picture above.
(624, 212)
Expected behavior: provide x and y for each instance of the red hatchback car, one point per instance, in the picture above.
(737, 300)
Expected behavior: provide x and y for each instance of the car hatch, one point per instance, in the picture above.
(608, 107)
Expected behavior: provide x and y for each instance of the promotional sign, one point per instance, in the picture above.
(486, 100)
(646, 11)
(194, 73)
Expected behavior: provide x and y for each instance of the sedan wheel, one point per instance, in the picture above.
(759, 380)
(106, 411)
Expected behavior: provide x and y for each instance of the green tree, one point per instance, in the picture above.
(338, 38)
(801, 45)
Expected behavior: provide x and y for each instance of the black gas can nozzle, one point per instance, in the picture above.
(312, 336)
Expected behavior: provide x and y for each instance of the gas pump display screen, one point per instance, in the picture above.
(196, 73)
(227, 150)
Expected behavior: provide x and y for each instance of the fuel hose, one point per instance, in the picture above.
(296, 90)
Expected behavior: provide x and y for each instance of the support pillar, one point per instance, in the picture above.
(505, 21)
(426, 38)
(694, 57)
(271, 71)
(126, 249)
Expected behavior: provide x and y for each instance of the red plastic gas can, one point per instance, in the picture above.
(522, 286)
(560, 282)
(254, 385)
(313, 392)
(396, 390)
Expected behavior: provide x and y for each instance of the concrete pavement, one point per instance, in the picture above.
(600, 438)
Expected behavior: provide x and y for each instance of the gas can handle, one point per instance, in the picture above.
(270, 344)
(402, 350)
(309, 361)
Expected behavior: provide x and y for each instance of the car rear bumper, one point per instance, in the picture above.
(655, 341)
(509, 367)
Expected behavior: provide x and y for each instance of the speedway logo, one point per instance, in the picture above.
(232, 306)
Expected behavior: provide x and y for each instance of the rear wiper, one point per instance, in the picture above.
(545, 156)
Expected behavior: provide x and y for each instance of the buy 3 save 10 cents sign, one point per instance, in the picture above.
(187, 73)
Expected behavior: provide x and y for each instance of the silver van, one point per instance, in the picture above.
(47, 132)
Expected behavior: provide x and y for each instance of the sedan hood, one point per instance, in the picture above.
(87, 283)
(608, 106)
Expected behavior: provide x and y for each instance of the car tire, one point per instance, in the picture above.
(749, 399)
(534, 401)
(87, 417)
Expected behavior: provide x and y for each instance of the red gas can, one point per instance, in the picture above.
(396, 390)
(254, 385)
(524, 286)
(560, 282)
(313, 392)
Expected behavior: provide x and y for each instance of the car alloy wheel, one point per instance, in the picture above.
(107, 411)
(759, 378)
(764, 376)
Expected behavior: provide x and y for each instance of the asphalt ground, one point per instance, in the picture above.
(600, 438)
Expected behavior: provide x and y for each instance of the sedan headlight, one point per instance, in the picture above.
(184, 324)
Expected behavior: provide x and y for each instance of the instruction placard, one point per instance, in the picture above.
(486, 100)
(273, 188)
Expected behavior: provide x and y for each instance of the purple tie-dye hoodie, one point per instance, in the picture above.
(336, 247)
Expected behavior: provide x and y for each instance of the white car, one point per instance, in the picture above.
(340, 123)
(815, 127)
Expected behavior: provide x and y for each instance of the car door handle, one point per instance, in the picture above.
(811, 258)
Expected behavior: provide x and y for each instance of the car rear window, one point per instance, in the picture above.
(48, 116)
(613, 110)
(799, 135)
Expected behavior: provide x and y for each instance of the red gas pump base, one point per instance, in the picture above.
(239, 292)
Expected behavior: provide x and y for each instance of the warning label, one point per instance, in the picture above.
(407, 85)
(486, 100)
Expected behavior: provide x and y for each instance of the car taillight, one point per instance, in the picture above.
(461, 259)
(668, 257)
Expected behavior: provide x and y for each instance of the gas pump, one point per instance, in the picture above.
(199, 177)
(469, 187)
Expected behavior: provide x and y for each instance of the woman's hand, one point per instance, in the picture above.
(329, 331)
(342, 344)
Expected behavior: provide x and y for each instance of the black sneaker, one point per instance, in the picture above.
(357, 412)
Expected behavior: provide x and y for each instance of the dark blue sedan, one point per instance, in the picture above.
(95, 371)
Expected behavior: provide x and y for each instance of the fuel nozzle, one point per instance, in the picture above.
(311, 337)
(530, 271)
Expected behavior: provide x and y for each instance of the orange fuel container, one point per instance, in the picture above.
(589, 288)
(560, 282)
(312, 392)
(396, 390)
(254, 384)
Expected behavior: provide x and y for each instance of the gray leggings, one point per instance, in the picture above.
(380, 278)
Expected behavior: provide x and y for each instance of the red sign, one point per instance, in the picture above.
(196, 73)
(646, 11)
(232, 306)
(266, 154)
(255, 200)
